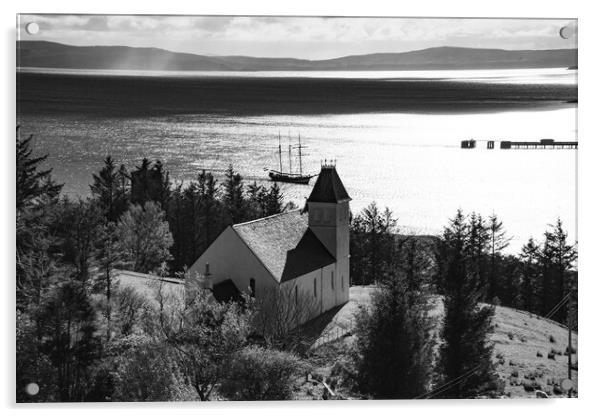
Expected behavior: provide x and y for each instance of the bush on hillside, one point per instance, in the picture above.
(257, 373)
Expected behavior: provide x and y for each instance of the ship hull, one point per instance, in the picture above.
(286, 177)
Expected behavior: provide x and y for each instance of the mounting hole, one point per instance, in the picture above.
(32, 389)
(32, 28)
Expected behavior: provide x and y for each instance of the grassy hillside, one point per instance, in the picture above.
(522, 342)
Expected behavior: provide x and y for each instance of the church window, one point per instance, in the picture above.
(252, 287)
(332, 280)
(342, 282)
(296, 294)
(315, 288)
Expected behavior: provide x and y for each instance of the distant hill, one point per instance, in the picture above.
(42, 54)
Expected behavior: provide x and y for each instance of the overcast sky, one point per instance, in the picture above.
(299, 37)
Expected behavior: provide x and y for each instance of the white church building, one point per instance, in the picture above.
(299, 252)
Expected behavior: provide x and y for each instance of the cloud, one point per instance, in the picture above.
(183, 32)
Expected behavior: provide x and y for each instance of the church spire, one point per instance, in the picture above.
(328, 187)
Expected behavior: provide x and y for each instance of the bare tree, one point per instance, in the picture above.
(281, 311)
(203, 335)
(130, 307)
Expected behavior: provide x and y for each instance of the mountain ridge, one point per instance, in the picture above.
(45, 54)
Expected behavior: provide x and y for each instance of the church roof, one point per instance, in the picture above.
(329, 187)
(285, 245)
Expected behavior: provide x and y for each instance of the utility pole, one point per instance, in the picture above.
(570, 347)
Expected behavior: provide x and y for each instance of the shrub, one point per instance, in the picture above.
(345, 373)
(515, 374)
(143, 370)
(528, 386)
(258, 373)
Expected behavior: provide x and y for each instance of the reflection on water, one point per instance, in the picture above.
(409, 162)
(506, 76)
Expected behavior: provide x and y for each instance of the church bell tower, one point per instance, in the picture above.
(328, 212)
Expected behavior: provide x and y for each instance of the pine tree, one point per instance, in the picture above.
(255, 193)
(233, 195)
(36, 195)
(77, 230)
(414, 260)
(212, 211)
(141, 183)
(465, 354)
(162, 184)
(150, 183)
(67, 330)
(557, 259)
(108, 258)
(498, 243)
(509, 267)
(394, 347)
(123, 184)
(530, 278)
(106, 188)
(478, 246)
(273, 200)
(372, 244)
(34, 185)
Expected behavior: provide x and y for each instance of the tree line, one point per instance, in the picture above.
(535, 280)
(400, 351)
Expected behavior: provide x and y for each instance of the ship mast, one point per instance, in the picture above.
(280, 151)
(300, 165)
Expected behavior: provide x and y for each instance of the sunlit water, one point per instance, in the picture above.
(512, 76)
(411, 163)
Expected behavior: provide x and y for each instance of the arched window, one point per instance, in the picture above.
(252, 287)
(315, 288)
(332, 280)
(342, 283)
(296, 294)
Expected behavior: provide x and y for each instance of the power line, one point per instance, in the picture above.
(453, 382)
(448, 385)
(558, 305)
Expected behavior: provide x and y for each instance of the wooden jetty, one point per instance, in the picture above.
(542, 144)
(507, 144)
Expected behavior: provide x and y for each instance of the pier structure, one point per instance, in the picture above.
(542, 144)
(507, 144)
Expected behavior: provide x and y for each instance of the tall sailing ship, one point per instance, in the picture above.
(293, 177)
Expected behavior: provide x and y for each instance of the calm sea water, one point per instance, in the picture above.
(410, 162)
